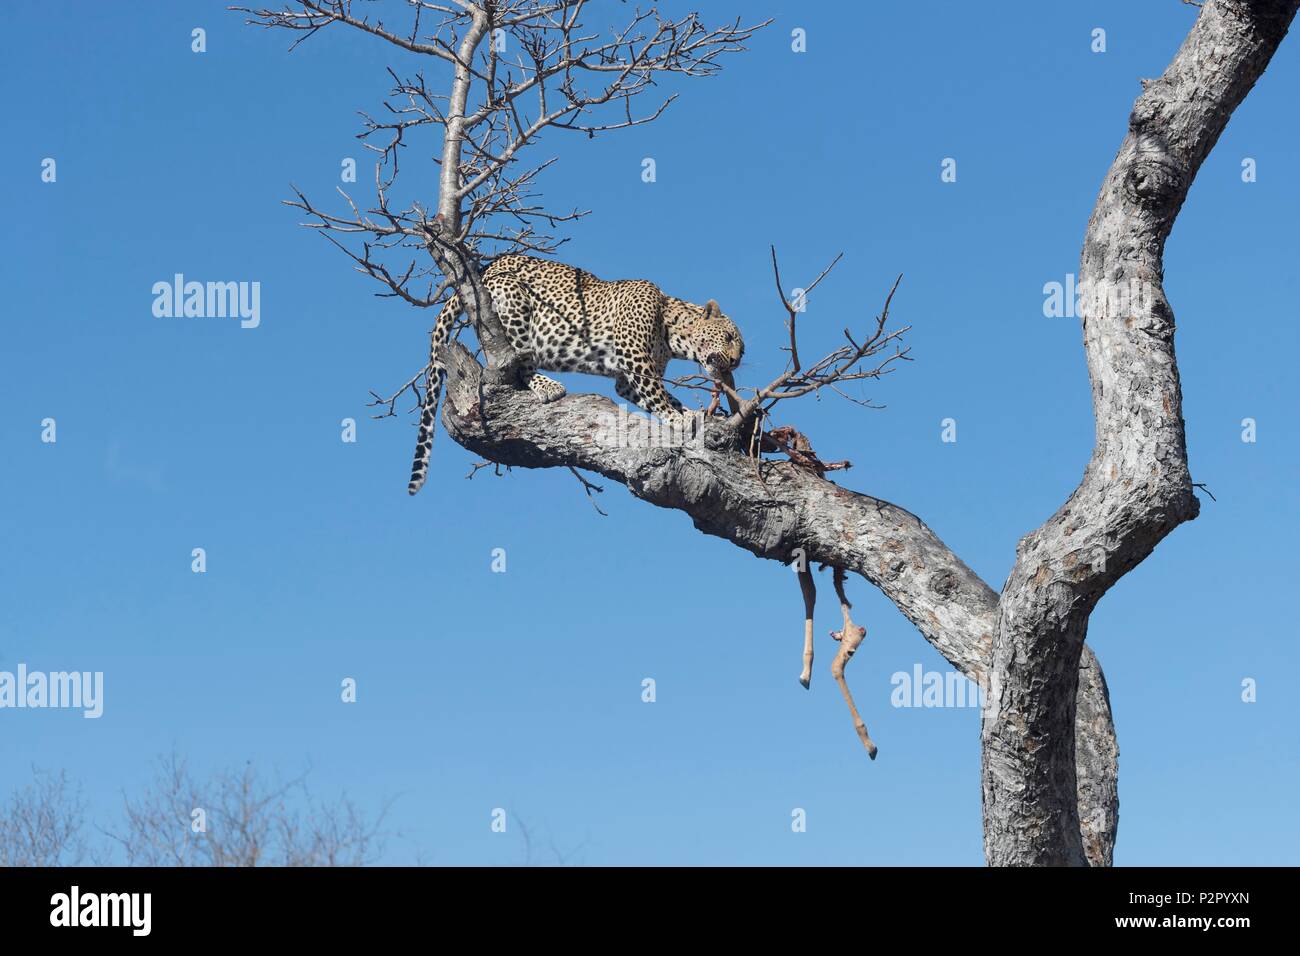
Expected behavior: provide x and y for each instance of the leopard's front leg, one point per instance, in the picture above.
(648, 392)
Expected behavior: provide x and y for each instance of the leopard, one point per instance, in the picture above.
(569, 320)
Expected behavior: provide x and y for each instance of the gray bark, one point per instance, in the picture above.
(454, 138)
(1137, 487)
(719, 488)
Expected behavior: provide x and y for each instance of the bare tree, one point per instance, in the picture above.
(1049, 750)
(43, 824)
(534, 853)
(235, 818)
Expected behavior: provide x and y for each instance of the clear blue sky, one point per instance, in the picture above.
(522, 690)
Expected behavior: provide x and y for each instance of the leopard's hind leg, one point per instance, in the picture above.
(514, 307)
(546, 389)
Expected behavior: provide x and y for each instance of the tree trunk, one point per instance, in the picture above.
(1137, 487)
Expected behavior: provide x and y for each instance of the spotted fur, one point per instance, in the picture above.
(572, 321)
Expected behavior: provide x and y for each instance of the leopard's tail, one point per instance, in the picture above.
(435, 377)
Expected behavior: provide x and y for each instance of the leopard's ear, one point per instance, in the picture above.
(712, 309)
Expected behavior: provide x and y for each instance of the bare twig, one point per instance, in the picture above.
(588, 487)
(792, 311)
(473, 470)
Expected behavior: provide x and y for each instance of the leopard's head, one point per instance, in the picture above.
(716, 341)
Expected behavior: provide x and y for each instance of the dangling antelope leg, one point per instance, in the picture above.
(809, 599)
(849, 639)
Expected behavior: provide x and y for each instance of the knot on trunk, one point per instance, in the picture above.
(1153, 182)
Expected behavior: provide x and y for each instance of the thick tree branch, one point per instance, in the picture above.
(1137, 487)
(775, 510)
